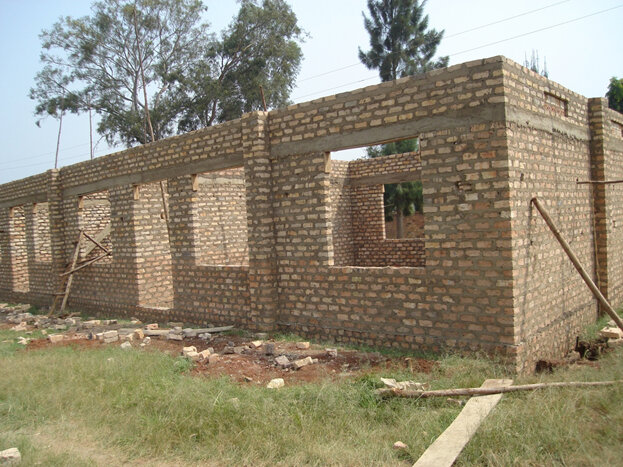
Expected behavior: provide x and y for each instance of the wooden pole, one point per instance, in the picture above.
(576, 262)
(600, 182)
(88, 263)
(96, 242)
(74, 260)
(389, 392)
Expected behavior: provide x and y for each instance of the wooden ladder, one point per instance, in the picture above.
(67, 277)
(66, 280)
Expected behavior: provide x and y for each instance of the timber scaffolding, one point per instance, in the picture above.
(267, 232)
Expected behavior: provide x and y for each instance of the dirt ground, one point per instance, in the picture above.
(254, 366)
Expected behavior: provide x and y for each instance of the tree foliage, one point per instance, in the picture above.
(615, 94)
(192, 78)
(401, 43)
(535, 64)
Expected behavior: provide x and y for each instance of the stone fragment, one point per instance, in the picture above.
(204, 355)
(20, 327)
(213, 358)
(175, 324)
(126, 345)
(147, 340)
(331, 352)
(187, 350)
(269, 348)
(139, 334)
(276, 383)
(54, 338)
(10, 456)
(206, 336)
(194, 356)
(611, 333)
(256, 344)
(302, 345)
(91, 323)
(151, 326)
(127, 337)
(156, 332)
(298, 364)
(189, 333)
(282, 361)
(228, 350)
(110, 336)
(175, 336)
(135, 321)
(22, 341)
(400, 445)
(239, 350)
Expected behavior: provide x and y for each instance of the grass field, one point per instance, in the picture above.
(62, 406)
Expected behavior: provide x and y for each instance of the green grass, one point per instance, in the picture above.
(63, 406)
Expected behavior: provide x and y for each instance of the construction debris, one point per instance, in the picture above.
(404, 385)
(483, 391)
(276, 383)
(399, 445)
(10, 456)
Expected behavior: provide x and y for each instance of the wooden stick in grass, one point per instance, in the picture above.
(393, 392)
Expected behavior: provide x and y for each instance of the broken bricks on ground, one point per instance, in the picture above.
(140, 335)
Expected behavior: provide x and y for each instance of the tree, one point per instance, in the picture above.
(401, 43)
(535, 64)
(139, 61)
(615, 94)
(259, 48)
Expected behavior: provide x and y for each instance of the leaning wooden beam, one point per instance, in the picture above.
(599, 182)
(88, 263)
(576, 262)
(444, 451)
(98, 244)
(389, 392)
(99, 236)
(70, 279)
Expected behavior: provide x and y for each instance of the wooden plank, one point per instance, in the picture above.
(97, 243)
(448, 446)
(99, 236)
(576, 262)
(88, 263)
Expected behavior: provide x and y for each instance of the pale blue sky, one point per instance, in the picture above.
(581, 55)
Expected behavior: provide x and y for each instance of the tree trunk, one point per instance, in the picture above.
(400, 227)
(58, 139)
(90, 133)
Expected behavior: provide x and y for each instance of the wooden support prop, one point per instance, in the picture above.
(99, 236)
(576, 262)
(444, 451)
(98, 244)
(599, 182)
(88, 263)
(66, 286)
(482, 391)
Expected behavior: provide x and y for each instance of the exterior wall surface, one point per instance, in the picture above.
(266, 232)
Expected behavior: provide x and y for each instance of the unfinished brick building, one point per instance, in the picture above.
(266, 232)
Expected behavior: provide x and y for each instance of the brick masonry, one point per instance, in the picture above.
(266, 232)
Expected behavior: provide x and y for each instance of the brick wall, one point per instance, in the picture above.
(266, 232)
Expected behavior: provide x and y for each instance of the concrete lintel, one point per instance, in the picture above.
(550, 124)
(154, 175)
(36, 198)
(400, 177)
(392, 132)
